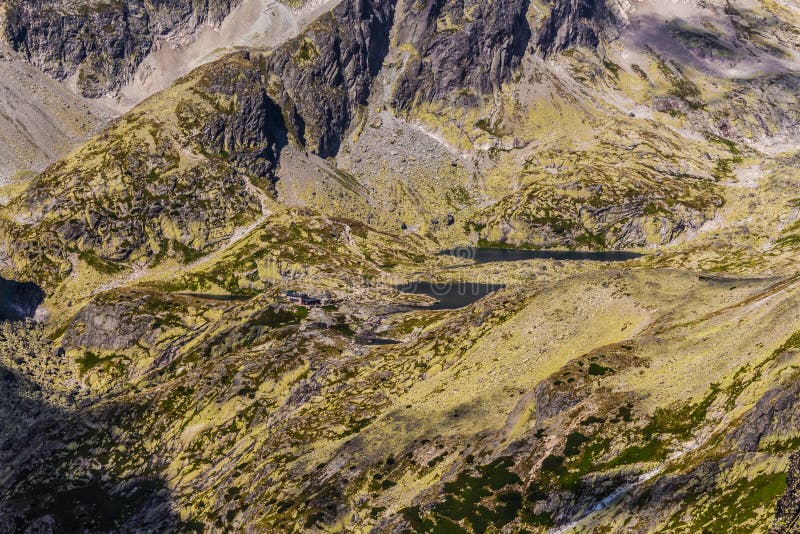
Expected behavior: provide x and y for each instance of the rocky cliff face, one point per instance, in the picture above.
(320, 78)
(466, 46)
(251, 132)
(573, 23)
(99, 42)
(324, 77)
(787, 517)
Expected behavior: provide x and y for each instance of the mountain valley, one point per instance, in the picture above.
(174, 173)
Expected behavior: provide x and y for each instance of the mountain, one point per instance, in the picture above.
(623, 357)
(40, 120)
(98, 43)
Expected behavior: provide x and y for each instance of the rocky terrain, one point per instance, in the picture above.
(184, 164)
(99, 43)
(40, 121)
(788, 505)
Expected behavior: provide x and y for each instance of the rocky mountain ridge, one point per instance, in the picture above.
(99, 43)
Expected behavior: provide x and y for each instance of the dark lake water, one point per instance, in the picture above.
(454, 295)
(488, 255)
(450, 295)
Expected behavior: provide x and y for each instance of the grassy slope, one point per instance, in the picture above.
(513, 376)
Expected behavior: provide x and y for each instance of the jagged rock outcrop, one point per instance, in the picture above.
(100, 42)
(321, 77)
(112, 326)
(251, 133)
(774, 414)
(787, 515)
(573, 23)
(171, 176)
(552, 398)
(459, 46)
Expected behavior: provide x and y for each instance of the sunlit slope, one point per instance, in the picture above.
(603, 376)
